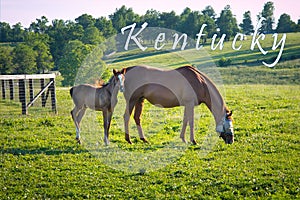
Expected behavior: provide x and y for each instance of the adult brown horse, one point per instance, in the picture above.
(102, 98)
(184, 86)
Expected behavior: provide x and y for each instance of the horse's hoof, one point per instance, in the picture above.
(194, 142)
(127, 138)
(144, 140)
(183, 140)
(129, 141)
(106, 142)
(78, 140)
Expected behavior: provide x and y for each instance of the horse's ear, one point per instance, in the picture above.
(229, 114)
(123, 71)
(115, 72)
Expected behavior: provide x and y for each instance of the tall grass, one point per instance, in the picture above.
(41, 159)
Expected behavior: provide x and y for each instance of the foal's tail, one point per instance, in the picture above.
(71, 92)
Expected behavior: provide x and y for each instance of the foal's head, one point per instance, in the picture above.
(119, 78)
(226, 128)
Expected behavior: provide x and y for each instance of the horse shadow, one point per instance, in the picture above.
(43, 150)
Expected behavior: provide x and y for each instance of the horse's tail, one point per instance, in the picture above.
(71, 91)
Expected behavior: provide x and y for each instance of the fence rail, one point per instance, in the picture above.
(26, 76)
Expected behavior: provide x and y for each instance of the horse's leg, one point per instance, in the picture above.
(184, 124)
(137, 118)
(106, 121)
(105, 125)
(80, 114)
(74, 114)
(190, 114)
(128, 111)
(109, 116)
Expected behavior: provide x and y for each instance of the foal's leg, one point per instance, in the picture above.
(128, 111)
(74, 114)
(80, 114)
(107, 115)
(137, 117)
(184, 124)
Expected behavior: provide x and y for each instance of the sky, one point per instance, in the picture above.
(27, 11)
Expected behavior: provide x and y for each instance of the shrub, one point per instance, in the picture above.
(223, 62)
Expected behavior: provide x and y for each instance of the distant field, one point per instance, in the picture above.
(40, 158)
(244, 56)
(246, 66)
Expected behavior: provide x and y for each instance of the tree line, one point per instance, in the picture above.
(63, 45)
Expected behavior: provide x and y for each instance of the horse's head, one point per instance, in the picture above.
(120, 78)
(225, 128)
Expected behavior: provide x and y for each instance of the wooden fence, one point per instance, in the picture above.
(25, 84)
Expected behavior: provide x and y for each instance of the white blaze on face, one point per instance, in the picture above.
(219, 128)
(120, 77)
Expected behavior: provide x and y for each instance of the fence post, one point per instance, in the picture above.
(31, 95)
(53, 95)
(3, 89)
(22, 95)
(43, 95)
(11, 89)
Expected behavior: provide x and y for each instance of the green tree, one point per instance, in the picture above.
(85, 20)
(75, 31)
(211, 27)
(209, 11)
(40, 26)
(209, 19)
(169, 20)
(268, 14)
(92, 36)
(184, 15)
(123, 17)
(227, 23)
(91, 68)
(74, 54)
(60, 33)
(5, 32)
(192, 23)
(183, 19)
(44, 59)
(297, 26)
(24, 59)
(285, 24)
(40, 44)
(151, 17)
(247, 26)
(6, 64)
(31, 37)
(105, 26)
(17, 33)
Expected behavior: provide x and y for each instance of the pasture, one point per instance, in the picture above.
(40, 158)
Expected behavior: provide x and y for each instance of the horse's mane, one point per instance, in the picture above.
(212, 84)
(101, 83)
(207, 80)
(127, 69)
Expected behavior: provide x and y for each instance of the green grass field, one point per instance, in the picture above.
(40, 158)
